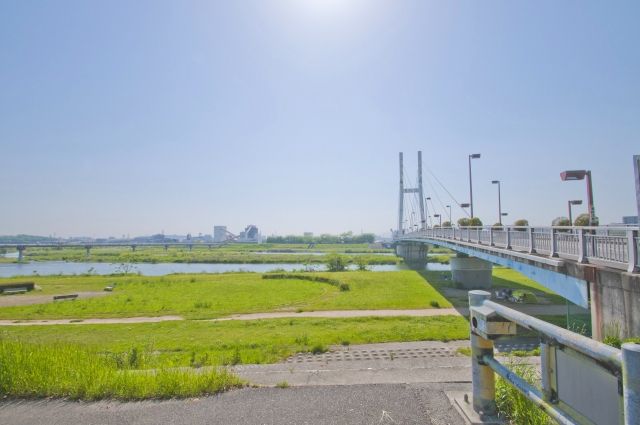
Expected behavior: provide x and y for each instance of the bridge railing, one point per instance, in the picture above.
(616, 247)
(583, 381)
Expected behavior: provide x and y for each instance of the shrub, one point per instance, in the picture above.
(336, 263)
(583, 220)
(466, 221)
(362, 263)
(319, 349)
(561, 221)
(340, 285)
(521, 222)
(446, 224)
(434, 304)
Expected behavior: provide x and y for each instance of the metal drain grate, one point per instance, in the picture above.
(351, 355)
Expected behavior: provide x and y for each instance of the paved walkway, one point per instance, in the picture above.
(107, 321)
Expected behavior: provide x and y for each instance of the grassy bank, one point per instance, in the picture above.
(201, 296)
(76, 372)
(199, 343)
(233, 253)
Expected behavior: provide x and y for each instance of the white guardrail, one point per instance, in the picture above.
(583, 381)
(615, 247)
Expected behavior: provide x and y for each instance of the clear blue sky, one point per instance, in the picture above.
(134, 117)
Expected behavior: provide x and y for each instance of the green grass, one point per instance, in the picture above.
(216, 295)
(200, 343)
(502, 278)
(233, 253)
(515, 407)
(77, 372)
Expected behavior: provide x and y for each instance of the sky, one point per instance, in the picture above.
(135, 118)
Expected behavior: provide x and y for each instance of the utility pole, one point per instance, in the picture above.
(423, 218)
(636, 172)
(401, 202)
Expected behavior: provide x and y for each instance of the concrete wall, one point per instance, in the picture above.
(615, 304)
(414, 254)
(471, 272)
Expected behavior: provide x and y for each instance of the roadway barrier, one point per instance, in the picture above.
(615, 247)
(582, 381)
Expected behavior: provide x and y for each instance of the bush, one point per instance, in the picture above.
(446, 224)
(362, 263)
(583, 220)
(464, 222)
(521, 222)
(340, 285)
(561, 221)
(336, 263)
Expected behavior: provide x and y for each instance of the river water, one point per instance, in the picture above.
(44, 268)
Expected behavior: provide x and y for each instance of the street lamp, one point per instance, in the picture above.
(426, 207)
(449, 206)
(472, 156)
(569, 203)
(440, 217)
(499, 201)
(581, 175)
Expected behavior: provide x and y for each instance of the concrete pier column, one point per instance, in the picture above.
(166, 247)
(414, 254)
(21, 249)
(471, 272)
(133, 248)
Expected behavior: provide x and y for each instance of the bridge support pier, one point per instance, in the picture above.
(471, 272)
(414, 254)
(21, 252)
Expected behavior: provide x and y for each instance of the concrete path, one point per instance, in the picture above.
(28, 299)
(386, 404)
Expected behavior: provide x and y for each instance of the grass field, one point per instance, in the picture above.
(187, 343)
(232, 253)
(201, 296)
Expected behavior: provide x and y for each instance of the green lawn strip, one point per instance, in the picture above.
(251, 253)
(216, 295)
(502, 278)
(230, 342)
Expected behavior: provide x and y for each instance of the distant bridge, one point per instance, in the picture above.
(21, 247)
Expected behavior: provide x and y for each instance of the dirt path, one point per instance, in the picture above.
(28, 299)
(527, 309)
(114, 320)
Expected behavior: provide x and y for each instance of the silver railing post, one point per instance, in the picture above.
(554, 243)
(491, 236)
(508, 238)
(632, 235)
(631, 382)
(582, 246)
(532, 245)
(482, 377)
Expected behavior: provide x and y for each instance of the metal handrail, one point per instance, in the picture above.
(615, 247)
(623, 365)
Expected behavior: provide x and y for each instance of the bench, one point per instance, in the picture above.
(14, 291)
(27, 286)
(65, 297)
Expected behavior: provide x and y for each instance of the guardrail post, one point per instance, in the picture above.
(554, 243)
(483, 379)
(582, 246)
(631, 382)
(532, 245)
(632, 235)
(508, 237)
(491, 236)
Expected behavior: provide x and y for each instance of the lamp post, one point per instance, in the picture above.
(426, 207)
(499, 201)
(582, 175)
(440, 217)
(449, 206)
(472, 156)
(569, 203)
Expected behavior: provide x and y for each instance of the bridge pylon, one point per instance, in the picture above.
(404, 191)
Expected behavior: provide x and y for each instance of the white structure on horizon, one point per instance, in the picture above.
(251, 234)
(220, 234)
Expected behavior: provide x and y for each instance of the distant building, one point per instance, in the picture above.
(250, 234)
(220, 233)
(630, 219)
